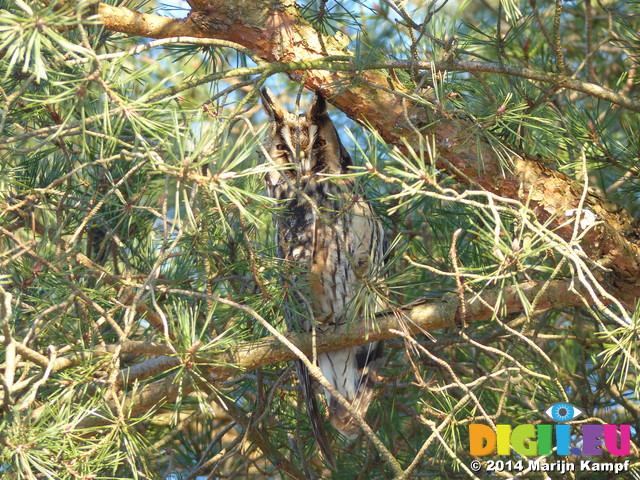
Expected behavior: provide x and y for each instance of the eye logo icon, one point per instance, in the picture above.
(563, 412)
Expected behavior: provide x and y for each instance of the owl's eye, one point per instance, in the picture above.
(320, 142)
(281, 147)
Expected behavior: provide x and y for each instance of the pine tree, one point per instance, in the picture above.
(141, 298)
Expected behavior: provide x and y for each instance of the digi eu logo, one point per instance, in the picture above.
(532, 440)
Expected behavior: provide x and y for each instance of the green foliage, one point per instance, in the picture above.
(137, 254)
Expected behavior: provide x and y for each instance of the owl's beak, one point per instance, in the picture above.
(305, 163)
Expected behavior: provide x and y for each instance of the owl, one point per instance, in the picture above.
(331, 244)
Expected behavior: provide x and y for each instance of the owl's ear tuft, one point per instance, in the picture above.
(318, 107)
(271, 104)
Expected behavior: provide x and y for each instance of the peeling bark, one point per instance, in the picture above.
(120, 19)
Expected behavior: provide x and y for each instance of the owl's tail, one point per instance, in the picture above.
(353, 373)
(314, 413)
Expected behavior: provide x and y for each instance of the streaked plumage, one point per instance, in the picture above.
(330, 240)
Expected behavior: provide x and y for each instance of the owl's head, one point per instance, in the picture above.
(308, 141)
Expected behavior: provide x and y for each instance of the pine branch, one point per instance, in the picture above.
(276, 32)
(123, 20)
(420, 317)
(123, 218)
(120, 19)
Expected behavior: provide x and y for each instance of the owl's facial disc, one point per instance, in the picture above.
(300, 144)
(304, 144)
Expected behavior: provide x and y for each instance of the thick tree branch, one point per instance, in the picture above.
(420, 317)
(275, 31)
(120, 19)
(155, 26)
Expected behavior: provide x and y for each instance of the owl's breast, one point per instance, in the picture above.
(332, 234)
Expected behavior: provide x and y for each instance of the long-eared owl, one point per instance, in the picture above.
(331, 243)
